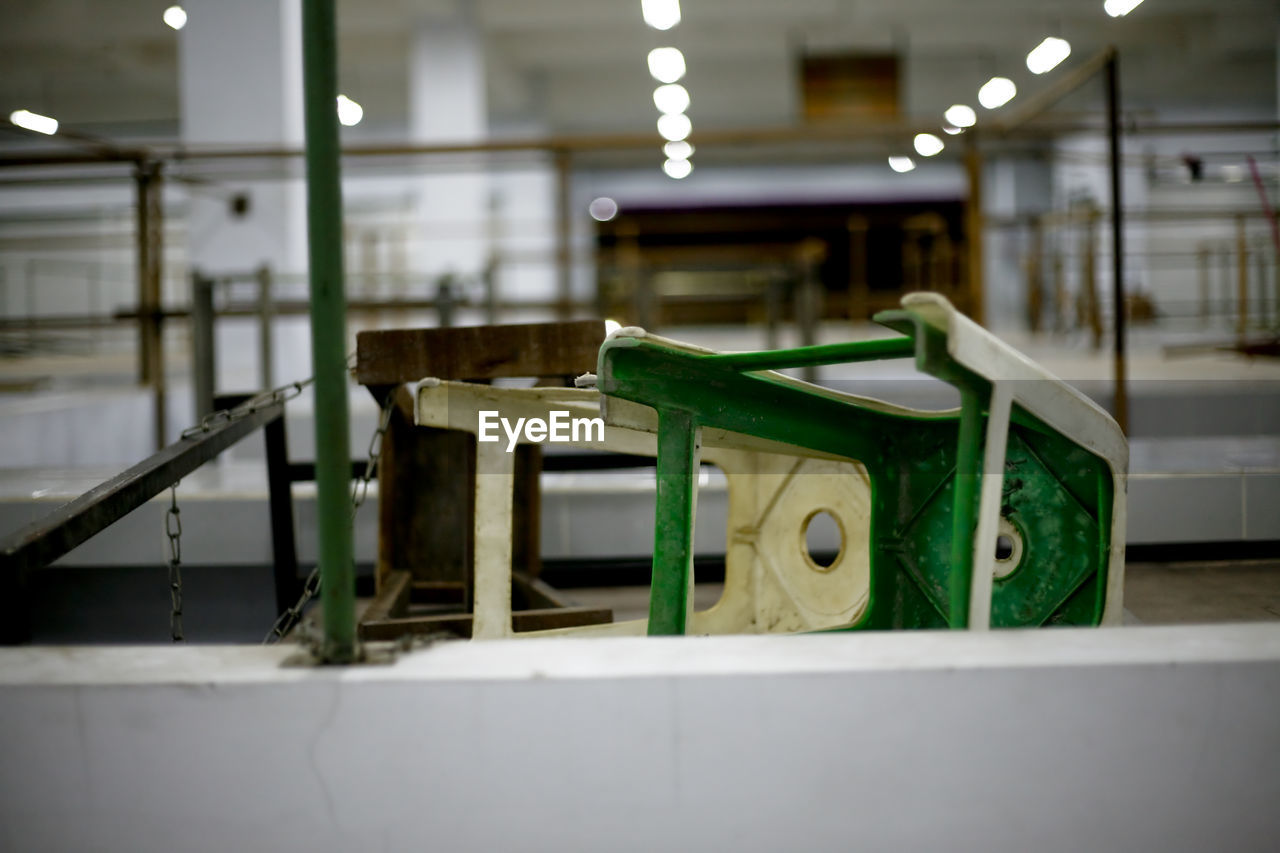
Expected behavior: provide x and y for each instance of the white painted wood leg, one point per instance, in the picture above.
(495, 485)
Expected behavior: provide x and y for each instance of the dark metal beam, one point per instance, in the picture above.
(46, 539)
(1120, 366)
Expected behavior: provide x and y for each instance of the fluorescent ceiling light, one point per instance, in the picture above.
(349, 112)
(674, 126)
(603, 209)
(927, 144)
(951, 131)
(960, 115)
(176, 17)
(1120, 8)
(34, 121)
(671, 98)
(678, 169)
(1047, 54)
(997, 92)
(666, 64)
(678, 150)
(660, 14)
(901, 164)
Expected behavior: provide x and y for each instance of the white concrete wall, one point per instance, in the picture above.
(1118, 739)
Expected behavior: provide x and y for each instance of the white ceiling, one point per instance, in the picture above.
(579, 65)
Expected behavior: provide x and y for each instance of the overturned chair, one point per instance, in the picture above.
(1007, 513)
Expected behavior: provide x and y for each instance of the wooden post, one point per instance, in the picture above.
(150, 250)
(1202, 264)
(859, 296)
(266, 317)
(425, 501)
(1090, 312)
(1119, 303)
(564, 225)
(1035, 275)
(1242, 280)
(973, 222)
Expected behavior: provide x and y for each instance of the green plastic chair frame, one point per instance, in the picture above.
(1054, 475)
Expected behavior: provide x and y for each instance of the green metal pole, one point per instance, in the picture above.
(965, 507)
(328, 330)
(677, 468)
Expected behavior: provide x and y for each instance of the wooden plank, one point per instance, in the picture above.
(437, 592)
(392, 356)
(460, 623)
(536, 594)
(393, 598)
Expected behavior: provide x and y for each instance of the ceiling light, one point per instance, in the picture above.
(1047, 54)
(349, 112)
(671, 98)
(603, 209)
(927, 144)
(960, 115)
(660, 14)
(1120, 8)
(951, 131)
(674, 126)
(176, 17)
(901, 164)
(997, 92)
(666, 64)
(680, 150)
(678, 169)
(34, 121)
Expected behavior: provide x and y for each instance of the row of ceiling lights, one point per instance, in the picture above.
(666, 65)
(349, 112)
(998, 91)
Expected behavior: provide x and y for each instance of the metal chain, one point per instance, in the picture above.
(283, 394)
(359, 491)
(173, 530)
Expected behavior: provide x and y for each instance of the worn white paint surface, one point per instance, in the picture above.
(773, 489)
(1116, 739)
(989, 518)
(1055, 402)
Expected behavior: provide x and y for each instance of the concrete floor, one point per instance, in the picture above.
(1154, 594)
(1185, 593)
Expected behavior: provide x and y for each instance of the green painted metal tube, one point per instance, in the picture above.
(677, 466)
(328, 330)
(965, 507)
(842, 353)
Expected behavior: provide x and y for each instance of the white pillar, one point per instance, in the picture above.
(240, 70)
(447, 104)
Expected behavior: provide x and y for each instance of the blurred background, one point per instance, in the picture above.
(738, 173)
